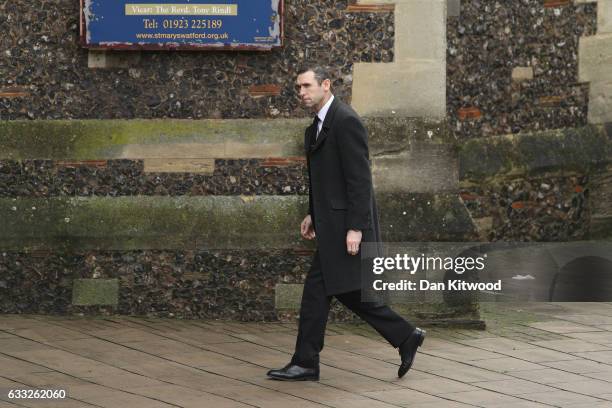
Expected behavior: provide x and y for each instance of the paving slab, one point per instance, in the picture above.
(560, 357)
(513, 387)
(599, 356)
(564, 399)
(563, 327)
(570, 345)
(540, 355)
(597, 337)
(484, 397)
(581, 366)
(587, 387)
(548, 376)
(505, 364)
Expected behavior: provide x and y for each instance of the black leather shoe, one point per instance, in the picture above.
(292, 372)
(408, 350)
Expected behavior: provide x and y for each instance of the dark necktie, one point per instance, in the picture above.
(315, 122)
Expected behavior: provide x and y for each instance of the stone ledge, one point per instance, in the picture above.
(152, 222)
(209, 222)
(419, 168)
(194, 139)
(573, 149)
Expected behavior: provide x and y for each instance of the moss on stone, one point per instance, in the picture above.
(154, 222)
(148, 222)
(287, 296)
(90, 292)
(105, 139)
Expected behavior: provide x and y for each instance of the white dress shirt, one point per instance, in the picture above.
(322, 113)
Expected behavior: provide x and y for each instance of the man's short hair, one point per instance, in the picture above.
(320, 73)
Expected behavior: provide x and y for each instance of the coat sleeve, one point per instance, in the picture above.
(354, 157)
(310, 209)
(306, 147)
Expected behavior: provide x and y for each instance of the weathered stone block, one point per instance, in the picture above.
(407, 217)
(111, 59)
(200, 166)
(414, 88)
(604, 16)
(173, 151)
(522, 74)
(601, 212)
(139, 139)
(288, 295)
(420, 30)
(580, 149)
(152, 222)
(600, 101)
(453, 8)
(595, 58)
(211, 222)
(80, 140)
(423, 167)
(92, 292)
(415, 83)
(98, 164)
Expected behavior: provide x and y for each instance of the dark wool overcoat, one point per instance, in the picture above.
(341, 196)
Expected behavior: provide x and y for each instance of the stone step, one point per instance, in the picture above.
(562, 150)
(208, 222)
(210, 138)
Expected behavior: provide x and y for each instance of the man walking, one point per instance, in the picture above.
(342, 214)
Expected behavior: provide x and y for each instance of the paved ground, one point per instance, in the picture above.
(542, 355)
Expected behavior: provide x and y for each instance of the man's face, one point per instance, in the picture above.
(310, 91)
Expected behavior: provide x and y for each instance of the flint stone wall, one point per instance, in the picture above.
(42, 60)
(171, 212)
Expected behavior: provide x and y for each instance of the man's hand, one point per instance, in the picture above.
(306, 228)
(353, 239)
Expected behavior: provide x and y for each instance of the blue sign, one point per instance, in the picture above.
(217, 24)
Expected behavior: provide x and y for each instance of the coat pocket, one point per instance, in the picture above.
(339, 204)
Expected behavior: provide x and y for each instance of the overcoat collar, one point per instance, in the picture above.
(329, 118)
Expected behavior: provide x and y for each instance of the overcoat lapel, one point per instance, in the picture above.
(310, 135)
(329, 118)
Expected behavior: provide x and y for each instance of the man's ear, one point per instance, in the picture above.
(326, 84)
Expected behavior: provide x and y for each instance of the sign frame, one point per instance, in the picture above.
(127, 46)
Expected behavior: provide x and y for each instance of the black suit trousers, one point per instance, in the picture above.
(314, 310)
